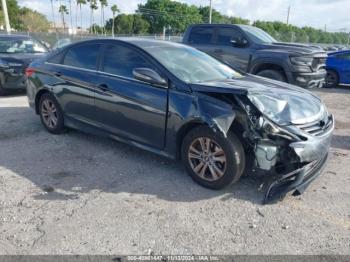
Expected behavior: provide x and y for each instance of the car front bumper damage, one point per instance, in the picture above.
(309, 158)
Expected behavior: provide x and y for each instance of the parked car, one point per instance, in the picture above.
(338, 68)
(179, 102)
(252, 50)
(16, 53)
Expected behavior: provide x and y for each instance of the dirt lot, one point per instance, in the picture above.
(76, 193)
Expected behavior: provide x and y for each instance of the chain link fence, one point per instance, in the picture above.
(57, 40)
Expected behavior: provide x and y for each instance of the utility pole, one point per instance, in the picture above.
(210, 10)
(6, 15)
(71, 17)
(288, 14)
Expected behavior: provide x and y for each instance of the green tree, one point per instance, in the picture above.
(63, 10)
(33, 21)
(79, 4)
(103, 4)
(93, 7)
(115, 10)
(128, 24)
(13, 11)
(167, 13)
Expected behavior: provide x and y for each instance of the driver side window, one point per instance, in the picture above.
(226, 35)
(121, 61)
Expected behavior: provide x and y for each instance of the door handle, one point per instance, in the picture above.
(103, 87)
(218, 51)
(58, 74)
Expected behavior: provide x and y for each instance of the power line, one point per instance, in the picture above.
(160, 13)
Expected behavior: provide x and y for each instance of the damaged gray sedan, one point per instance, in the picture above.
(181, 103)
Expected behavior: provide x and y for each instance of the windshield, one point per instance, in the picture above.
(258, 35)
(20, 45)
(190, 65)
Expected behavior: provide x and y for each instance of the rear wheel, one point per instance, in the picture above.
(212, 160)
(273, 74)
(51, 114)
(332, 79)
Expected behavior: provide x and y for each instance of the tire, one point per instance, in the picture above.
(332, 79)
(272, 74)
(50, 110)
(225, 173)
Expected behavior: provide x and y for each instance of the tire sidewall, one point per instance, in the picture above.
(233, 151)
(59, 128)
(272, 74)
(336, 77)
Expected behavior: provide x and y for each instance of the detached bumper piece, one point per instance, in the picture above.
(297, 181)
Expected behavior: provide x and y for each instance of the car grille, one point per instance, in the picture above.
(317, 128)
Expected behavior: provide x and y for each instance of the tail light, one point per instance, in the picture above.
(29, 71)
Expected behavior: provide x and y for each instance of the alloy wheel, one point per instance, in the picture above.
(207, 158)
(49, 113)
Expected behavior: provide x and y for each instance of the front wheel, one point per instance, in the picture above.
(51, 114)
(332, 79)
(212, 160)
(272, 74)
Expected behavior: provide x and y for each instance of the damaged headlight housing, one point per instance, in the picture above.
(270, 106)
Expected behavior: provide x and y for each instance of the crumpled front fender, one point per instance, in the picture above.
(217, 114)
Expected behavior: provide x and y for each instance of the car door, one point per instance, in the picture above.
(128, 107)
(345, 67)
(238, 56)
(76, 75)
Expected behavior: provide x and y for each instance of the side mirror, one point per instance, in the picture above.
(149, 76)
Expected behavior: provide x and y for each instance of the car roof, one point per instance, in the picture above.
(339, 52)
(142, 43)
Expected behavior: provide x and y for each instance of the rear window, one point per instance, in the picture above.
(82, 56)
(201, 35)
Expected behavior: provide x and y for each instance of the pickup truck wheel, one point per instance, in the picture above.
(332, 79)
(212, 160)
(272, 74)
(51, 114)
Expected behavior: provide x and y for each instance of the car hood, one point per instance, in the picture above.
(301, 105)
(294, 49)
(22, 58)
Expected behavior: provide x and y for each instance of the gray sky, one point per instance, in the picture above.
(316, 13)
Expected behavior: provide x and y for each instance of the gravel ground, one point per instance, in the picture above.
(81, 194)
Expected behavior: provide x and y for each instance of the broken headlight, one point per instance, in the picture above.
(269, 105)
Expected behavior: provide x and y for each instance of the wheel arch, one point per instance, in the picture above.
(183, 131)
(37, 99)
(267, 66)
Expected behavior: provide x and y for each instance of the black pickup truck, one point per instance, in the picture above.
(252, 50)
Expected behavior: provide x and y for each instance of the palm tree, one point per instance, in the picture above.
(53, 18)
(63, 10)
(115, 10)
(103, 4)
(93, 6)
(80, 3)
(71, 14)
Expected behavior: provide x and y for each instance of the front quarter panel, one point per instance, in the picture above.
(186, 109)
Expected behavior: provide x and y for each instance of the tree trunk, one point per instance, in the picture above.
(64, 24)
(81, 21)
(113, 25)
